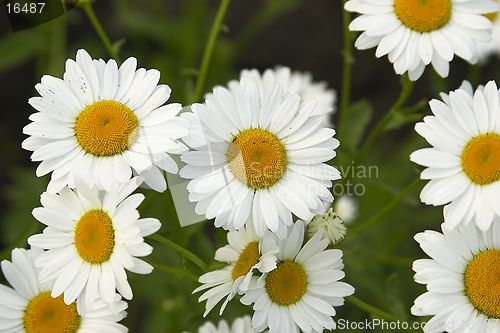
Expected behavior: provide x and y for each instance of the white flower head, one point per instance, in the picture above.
(29, 307)
(92, 236)
(485, 49)
(463, 165)
(334, 229)
(102, 124)
(346, 207)
(417, 33)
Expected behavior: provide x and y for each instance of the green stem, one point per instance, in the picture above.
(371, 309)
(174, 271)
(191, 256)
(405, 93)
(87, 6)
(207, 54)
(388, 207)
(346, 73)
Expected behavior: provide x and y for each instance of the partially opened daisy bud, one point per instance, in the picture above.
(260, 156)
(334, 228)
(464, 163)
(245, 254)
(416, 33)
(29, 307)
(461, 277)
(102, 123)
(92, 236)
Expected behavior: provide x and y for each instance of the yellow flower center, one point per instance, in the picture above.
(423, 15)
(106, 128)
(482, 283)
(45, 314)
(481, 159)
(492, 16)
(257, 158)
(95, 237)
(286, 284)
(248, 257)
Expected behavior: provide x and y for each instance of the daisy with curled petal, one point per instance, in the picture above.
(303, 289)
(91, 237)
(29, 308)
(492, 47)
(461, 278)
(244, 253)
(239, 325)
(101, 123)
(464, 163)
(416, 33)
(259, 156)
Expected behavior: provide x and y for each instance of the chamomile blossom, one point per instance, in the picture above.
(303, 289)
(462, 279)
(417, 33)
(102, 124)
(463, 166)
(92, 236)
(258, 155)
(28, 307)
(486, 49)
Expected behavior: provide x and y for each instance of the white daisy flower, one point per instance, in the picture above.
(260, 156)
(302, 290)
(244, 253)
(334, 229)
(29, 307)
(464, 164)
(101, 123)
(346, 207)
(91, 236)
(417, 33)
(239, 325)
(492, 47)
(461, 278)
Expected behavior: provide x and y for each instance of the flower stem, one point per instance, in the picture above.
(174, 271)
(207, 54)
(405, 93)
(388, 207)
(371, 309)
(346, 73)
(191, 256)
(87, 6)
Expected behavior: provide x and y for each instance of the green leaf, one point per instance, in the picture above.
(358, 117)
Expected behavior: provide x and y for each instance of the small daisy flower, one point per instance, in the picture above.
(92, 237)
(346, 208)
(334, 228)
(461, 278)
(244, 253)
(102, 123)
(492, 47)
(303, 289)
(262, 156)
(464, 164)
(416, 33)
(29, 307)
(240, 325)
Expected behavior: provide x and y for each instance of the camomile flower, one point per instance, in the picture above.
(245, 253)
(102, 124)
(239, 325)
(92, 236)
(492, 47)
(463, 165)
(259, 156)
(334, 228)
(29, 307)
(417, 33)
(303, 289)
(462, 279)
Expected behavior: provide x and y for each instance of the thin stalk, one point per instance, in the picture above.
(174, 271)
(388, 207)
(191, 256)
(207, 54)
(371, 309)
(87, 6)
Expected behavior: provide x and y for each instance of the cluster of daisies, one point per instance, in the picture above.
(255, 156)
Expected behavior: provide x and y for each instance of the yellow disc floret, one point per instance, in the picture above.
(95, 237)
(482, 283)
(106, 128)
(286, 284)
(481, 159)
(45, 314)
(423, 15)
(248, 257)
(257, 158)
